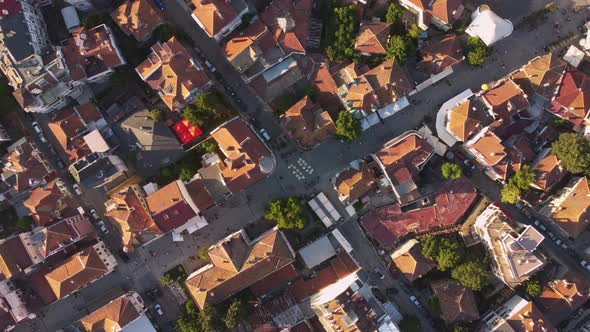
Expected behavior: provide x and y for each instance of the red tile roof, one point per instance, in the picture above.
(372, 37)
(457, 302)
(445, 10)
(213, 15)
(387, 225)
(45, 204)
(562, 297)
(288, 21)
(186, 132)
(441, 55)
(68, 127)
(64, 233)
(543, 74)
(28, 167)
(308, 123)
(505, 99)
(244, 152)
(529, 319)
(112, 317)
(198, 192)
(168, 207)
(137, 18)
(13, 257)
(277, 279)
(410, 262)
(572, 101)
(323, 81)
(548, 172)
(573, 213)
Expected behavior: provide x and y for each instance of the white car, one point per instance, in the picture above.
(103, 228)
(77, 189)
(94, 214)
(42, 138)
(158, 309)
(265, 134)
(37, 128)
(415, 301)
(584, 263)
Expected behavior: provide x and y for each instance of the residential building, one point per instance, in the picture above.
(174, 73)
(15, 307)
(561, 297)
(465, 119)
(247, 159)
(127, 207)
(99, 169)
(513, 252)
(542, 75)
(518, 315)
(501, 148)
(401, 159)
(410, 262)
(457, 302)
(355, 182)
(439, 57)
(24, 252)
(70, 126)
(172, 208)
(24, 168)
(126, 313)
(84, 5)
(308, 123)
(237, 262)
(321, 79)
(442, 13)
(91, 54)
(505, 99)
(372, 38)
(253, 45)
(278, 80)
(22, 18)
(572, 100)
(389, 224)
(4, 137)
(570, 209)
(548, 171)
(218, 18)
(47, 203)
(137, 18)
(365, 91)
(79, 271)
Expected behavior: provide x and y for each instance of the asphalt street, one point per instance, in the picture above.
(326, 160)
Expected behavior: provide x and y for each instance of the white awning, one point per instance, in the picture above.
(489, 27)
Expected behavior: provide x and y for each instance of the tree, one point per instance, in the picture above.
(574, 152)
(451, 171)
(510, 194)
(166, 280)
(345, 34)
(206, 110)
(430, 246)
(397, 48)
(209, 318)
(394, 15)
(185, 174)
(24, 223)
(533, 288)
(477, 51)
(157, 115)
(414, 32)
(209, 146)
(287, 213)
(192, 114)
(348, 127)
(460, 328)
(235, 314)
(410, 324)
(523, 178)
(188, 320)
(473, 274)
(203, 252)
(450, 253)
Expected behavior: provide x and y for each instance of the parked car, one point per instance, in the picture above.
(103, 228)
(52, 150)
(415, 301)
(160, 4)
(158, 310)
(551, 235)
(210, 66)
(265, 134)
(60, 164)
(94, 214)
(42, 138)
(37, 128)
(379, 273)
(77, 189)
(584, 263)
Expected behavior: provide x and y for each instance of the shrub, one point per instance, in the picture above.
(451, 171)
(287, 213)
(348, 127)
(477, 51)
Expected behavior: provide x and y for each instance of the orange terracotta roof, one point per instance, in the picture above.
(548, 172)
(445, 10)
(76, 272)
(131, 215)
(111, 317)
(68, 128)
(243, 151)
(457, 302)
(13, 257)
(390, 81)
(488, 148)
(562, 297)
(464, 120)
(572, 102)
(45, 204)
(506, 99)
(354, 184)
(213, 15)
(168, 206)
(530, 319)
(573, 214)
(308, 123)
(198, 192)
(372, 37)
(236, 264)
(410, 262)
(172, 71)
(288, 21)
(137, 18)
(245, 40)
(441, 55)
(323, 81)
(90, 52)
(544, 74)
(27, 165)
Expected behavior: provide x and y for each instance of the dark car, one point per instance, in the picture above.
(123, 255)
(160, 4)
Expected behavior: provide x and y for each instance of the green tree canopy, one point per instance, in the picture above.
(477, 51)
(185, 174)
(430, 246)
(473, 274)
(414, 32)
(533, 288)
(397, 48)
(523, 178)
(451, 171)
(510, 194)
(166, 280)
(347, 126)
(209, 145)
(206, 111)
(210, 318)
(24, 223)
(450, 254)
(157, 115)
(236, 312)
(574, 152)
(345, 35)
(394, 15)
(287, 213)
(203, 252)
(410, 324)
(188, 320)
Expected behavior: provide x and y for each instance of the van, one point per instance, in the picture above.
(81, 210)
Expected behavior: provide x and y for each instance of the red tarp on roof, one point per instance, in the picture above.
(186, 132)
